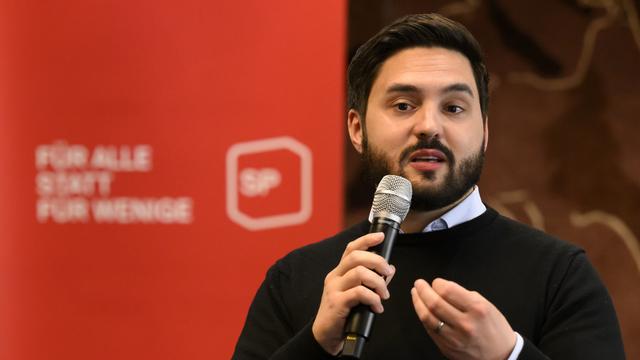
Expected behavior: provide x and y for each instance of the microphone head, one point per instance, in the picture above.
(392, 199)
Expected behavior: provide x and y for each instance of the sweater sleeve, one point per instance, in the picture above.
(268, 331)
(581, 322)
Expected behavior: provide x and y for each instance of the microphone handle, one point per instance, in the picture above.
(360, 320)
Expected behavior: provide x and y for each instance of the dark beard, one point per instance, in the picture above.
(457, 183)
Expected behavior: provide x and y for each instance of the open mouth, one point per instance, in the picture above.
(427, 159)
(428, 156)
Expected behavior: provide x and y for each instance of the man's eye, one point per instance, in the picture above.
(403, 107)
(454, 109)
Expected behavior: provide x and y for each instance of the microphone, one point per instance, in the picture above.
(391, 203)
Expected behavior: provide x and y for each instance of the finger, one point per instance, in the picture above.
(364, 242)
(365, 258)
(428, 320)
(387, 279)
(362, 295)
(361, 275)
(437, 305)
(454, 294)
(439, 330)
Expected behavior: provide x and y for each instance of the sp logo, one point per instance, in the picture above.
(269, 183)
(258, 182)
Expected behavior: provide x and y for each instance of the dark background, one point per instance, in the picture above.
(563, 124)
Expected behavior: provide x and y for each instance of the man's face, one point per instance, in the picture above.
(424, 122)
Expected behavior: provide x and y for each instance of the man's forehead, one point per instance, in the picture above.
(419, 67)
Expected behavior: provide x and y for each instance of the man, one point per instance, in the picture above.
(466, 282)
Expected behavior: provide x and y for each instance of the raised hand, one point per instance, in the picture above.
(462, 323)
(358, 279)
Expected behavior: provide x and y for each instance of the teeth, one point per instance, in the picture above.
(427, 158)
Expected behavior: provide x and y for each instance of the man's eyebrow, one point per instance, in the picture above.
(458, 87)
(408, 88)
(403, 88)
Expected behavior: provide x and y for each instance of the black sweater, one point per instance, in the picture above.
(546, 288)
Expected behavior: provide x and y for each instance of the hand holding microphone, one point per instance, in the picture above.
(358, 278)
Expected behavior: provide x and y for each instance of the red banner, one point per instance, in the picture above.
(157, 157)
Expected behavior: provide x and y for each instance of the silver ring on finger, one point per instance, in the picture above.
(439, 327)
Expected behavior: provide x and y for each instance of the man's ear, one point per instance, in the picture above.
(486, 133)
(356, 129)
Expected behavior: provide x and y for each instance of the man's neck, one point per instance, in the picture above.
(416, 221)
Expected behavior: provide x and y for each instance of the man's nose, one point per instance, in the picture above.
(428, 122)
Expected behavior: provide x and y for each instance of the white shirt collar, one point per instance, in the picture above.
(469, 208)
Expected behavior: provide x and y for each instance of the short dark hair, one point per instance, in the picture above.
(420, 30)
